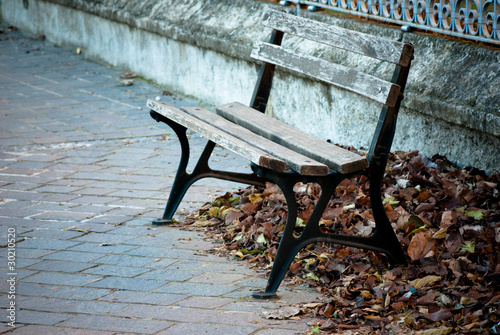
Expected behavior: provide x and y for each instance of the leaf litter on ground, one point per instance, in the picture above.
(447, 220)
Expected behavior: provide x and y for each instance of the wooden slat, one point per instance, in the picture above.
(225, 140)
(336, 158)
(364, 44)
(295, 161)
(335, 74)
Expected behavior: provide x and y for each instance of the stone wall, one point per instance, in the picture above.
(201, 49)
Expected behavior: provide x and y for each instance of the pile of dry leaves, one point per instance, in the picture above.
(447, 220)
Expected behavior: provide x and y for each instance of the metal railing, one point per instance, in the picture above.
(477, 20)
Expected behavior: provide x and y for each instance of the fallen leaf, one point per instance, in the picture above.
(128, 75)
(282, 313)
(421, 246)
(427, 280)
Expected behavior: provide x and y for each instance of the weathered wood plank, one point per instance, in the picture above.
(364, 44)
(295, 161)
(225, 140)
(336, 158)
(335, 74)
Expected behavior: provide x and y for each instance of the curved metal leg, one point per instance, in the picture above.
(382, 240)
(184, 180)
(290, 245)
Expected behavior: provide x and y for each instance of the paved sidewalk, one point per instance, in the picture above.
(83, 170)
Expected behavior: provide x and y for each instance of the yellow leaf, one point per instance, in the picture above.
(255, 197)
(214, 211)
(205, 223)
(77, 229)
(387, 300)
(312, 276)
(239, 254)
(427, 280)
(441, 233)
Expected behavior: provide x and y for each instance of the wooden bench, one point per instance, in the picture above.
(285, 155)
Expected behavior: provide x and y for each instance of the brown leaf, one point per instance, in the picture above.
(421, 246)
(329, 310)
(446, 219)
(440, 315)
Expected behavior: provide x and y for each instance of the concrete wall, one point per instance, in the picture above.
(201, 49)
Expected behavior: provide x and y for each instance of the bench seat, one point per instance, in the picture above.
(264, 141)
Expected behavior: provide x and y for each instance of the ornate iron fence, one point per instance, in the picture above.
(471, 19)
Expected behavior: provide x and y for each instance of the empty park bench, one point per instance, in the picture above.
(285, 155)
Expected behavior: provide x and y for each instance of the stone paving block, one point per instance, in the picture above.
(62, 216)
(153, 251)
(197, 289)
(59, 198)
(168, 275)
(51, 330)
(149, 298)
(20, 186)
(167, 313)
(49, 244)
(39, 318)
(101, 248)
(27, 257)
(129, 284)
(53, 233)
(59, 291)
(217, 278)
(103, 238)
(161, 263)
(21, 274)
(125, 260)
(201, 266)
(140, 194)
(69, 305)
(115, 324)
(254, 282)
(60, 266)
(62, 278)
(208, 329)
(120, 271)
(93, 199)
(135, 232)
(67, 255)
(20, 195)
(101, 190)
(23, 212)
(110, 219)
(235, 318)
(58, 189)
(206, 302)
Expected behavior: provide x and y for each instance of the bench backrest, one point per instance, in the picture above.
(389, 93)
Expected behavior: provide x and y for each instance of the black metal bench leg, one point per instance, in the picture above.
(290, 245)
(182, 180)
(286, 250)
(383, 238)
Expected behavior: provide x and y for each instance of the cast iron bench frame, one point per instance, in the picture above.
(284, 155)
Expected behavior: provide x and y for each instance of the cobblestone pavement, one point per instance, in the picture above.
(83, 171)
